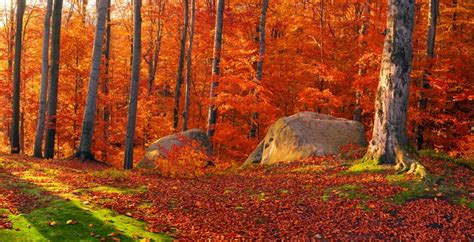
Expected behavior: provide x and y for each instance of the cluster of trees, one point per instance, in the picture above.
(268, 59)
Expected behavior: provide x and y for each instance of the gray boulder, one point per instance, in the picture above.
(160, 148)
(306, 134)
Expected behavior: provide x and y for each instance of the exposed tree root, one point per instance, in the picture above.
(87, 156)
(403, 163)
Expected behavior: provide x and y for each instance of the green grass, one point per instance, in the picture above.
(361, 166)
(347, 191)
(92, 225)
(118, 190)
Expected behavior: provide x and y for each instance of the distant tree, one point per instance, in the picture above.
(179, 77)
(430, 43)
(85, 145)
(15, 133)
(54, 77)
(132, 107)
(187, 99)
(105, 82)
(38, 149)
(261, 56)
(216, 68)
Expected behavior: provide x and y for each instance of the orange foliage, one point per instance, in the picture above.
(312, 62)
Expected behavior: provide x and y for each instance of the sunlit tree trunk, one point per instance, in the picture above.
(132, 107)
(38, 149)
(216, 69)
(261, 56)
(389, 138)
(423, 100)
(15, 133)
(85, 145)
(188, 69)
(54, 77)
(179, 78)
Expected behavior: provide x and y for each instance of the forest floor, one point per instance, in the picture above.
(319, 198)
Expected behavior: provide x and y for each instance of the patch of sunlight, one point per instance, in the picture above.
(112, 173)
(50, 224)
(309, 169)
(366, 166)
(118, 190)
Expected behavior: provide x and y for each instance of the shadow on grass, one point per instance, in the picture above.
(50, 217)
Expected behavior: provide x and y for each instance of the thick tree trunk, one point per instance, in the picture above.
(389, 138)
(85, 145)
(179, 78)
(105, 83)
(216, 69)
(188, 69)
(54, 76)
(136, 60)
(15, 133)
(423, 100)
(261, 56)
(38, 149)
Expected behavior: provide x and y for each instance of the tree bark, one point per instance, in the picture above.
(423, 100)
(261, 56)
(136, 60)
(216, 69)
(15, 133)
(188, 69)
(389, 138)
(38, 149)
(362, 70)
(179, 78)
(85, 146)
(105, 83)
(54, 76)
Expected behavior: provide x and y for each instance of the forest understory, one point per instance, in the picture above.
(318, 198)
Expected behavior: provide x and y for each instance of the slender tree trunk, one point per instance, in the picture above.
(105, 83)
(179, 78)
(261, 56)
(85, 145)
(15, 135)
(38, 149)
(54, 77)
(389, 138)
(363, 44)
(132, 108)
(188, 69)
(216, 69)
(423, 100)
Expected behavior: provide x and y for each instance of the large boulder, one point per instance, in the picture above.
(160, 149)
(304, 135)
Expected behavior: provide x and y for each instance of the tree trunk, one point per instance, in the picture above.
(105, 83)
(389, 138)
(85, 145)
(15, 133)
(261, 56)
(362, 70)
(179, 78)
(188, 69)
(423, 100)
(216, 69)
(54, 76)
(132, 109)
(38, 149)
